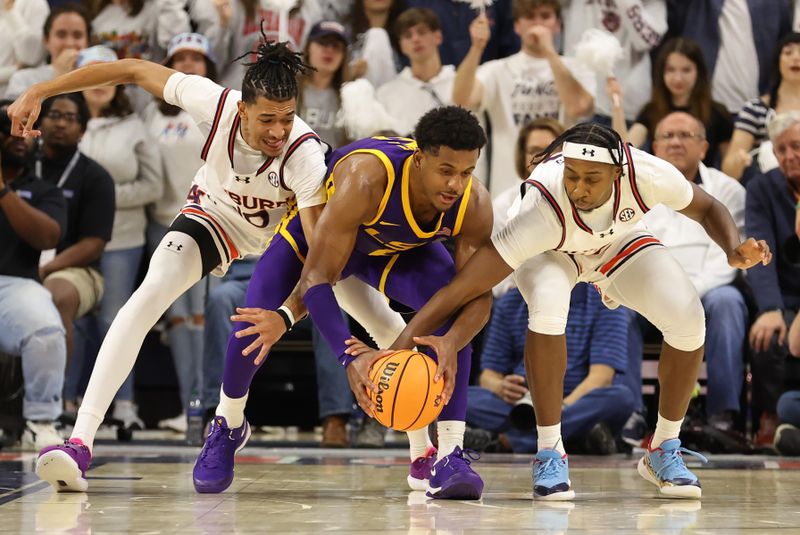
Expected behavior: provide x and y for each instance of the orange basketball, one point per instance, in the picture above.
(407, 397)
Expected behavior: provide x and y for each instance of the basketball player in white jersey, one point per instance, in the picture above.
(263, 165)
(579, 220)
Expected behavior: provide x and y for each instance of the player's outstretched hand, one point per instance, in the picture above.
(750, 253)
(24, 112)
(268, 327)
(448, 362)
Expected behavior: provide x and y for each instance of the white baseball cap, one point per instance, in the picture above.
(190, 41)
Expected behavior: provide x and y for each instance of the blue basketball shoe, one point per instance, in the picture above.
(664, 468)
(213, 471)
(551, 476)
(452, 478)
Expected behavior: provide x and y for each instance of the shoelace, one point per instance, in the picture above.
(549, 468)
(672, 459)
(467, 455)
(214, 437)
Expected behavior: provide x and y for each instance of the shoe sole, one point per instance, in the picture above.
(684, 492)
(417, 484)
(457, 490)
(563, 496)
(62, 472)
(216, 489)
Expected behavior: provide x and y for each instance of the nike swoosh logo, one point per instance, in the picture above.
(433, 472)
(385, 224)
(434, 490)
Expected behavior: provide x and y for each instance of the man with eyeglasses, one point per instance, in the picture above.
(33, 216)
(680, 139)
(71, 271)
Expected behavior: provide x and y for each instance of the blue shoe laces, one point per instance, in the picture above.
(672, 460)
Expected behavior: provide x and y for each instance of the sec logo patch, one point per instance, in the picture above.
(626, 214)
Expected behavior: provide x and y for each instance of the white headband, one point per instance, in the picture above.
(583, 151)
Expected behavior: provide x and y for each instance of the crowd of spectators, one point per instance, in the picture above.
(711, 86)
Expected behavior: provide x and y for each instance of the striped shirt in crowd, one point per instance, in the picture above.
(595, 335)
(753, 119)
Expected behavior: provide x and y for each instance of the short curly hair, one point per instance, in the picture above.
(449, 126)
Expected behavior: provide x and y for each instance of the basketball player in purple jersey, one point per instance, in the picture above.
(390, 202)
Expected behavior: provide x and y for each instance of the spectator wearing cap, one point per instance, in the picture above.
(426, 83)
(32, 217)
(20, 36)
(137, 28)
(180, 142)
(770, 214)
(66, 32)
(72, 271)
(319, 102)
(118, 140)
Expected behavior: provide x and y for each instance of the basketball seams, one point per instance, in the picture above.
(427, 392)
(397, 391)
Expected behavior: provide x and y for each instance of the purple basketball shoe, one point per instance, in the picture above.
(64, 466)
(419, 471)
(213, 471)
(452, 478)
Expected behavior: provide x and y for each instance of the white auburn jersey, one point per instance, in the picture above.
(545, 218)
(240, 195)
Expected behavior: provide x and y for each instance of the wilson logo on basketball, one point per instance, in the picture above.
(383, 383)
(626, 214)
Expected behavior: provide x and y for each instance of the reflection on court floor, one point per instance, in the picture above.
(148, 489)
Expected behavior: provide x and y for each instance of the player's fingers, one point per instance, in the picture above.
(252, 347)
(261, 355)
(249, 331)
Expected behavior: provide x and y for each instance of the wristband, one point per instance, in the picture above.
(288, 313)
(286, 316)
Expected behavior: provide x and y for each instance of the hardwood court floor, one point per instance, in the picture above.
(148, 489)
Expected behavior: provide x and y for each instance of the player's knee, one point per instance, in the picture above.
(547, 324)
(685, 331)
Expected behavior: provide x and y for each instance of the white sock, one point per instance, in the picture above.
(665, 430)
(232, 409)
(549, 437)
(418, 443)
(86, 425)
(451, 434)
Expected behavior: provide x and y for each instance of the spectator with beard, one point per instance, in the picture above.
(32, 218)
(72, 275)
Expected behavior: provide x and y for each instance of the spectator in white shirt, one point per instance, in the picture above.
(535, 82)
(426, 83)
(680, 140)
(66, 33)
(21, 45)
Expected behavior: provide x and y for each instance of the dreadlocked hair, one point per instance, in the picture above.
(273, 75)
(590, 134)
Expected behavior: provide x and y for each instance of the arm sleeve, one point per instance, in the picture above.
(197, 95)
(534, 230)
(646, 22)
(305, 174)
(660, 182)
(97, 211)
(609, 339)
(758, 223)
(149, 183)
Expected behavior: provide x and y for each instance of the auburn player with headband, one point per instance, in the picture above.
(578, 219)
(262, 165)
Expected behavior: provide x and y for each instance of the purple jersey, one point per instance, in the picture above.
(393, 229)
